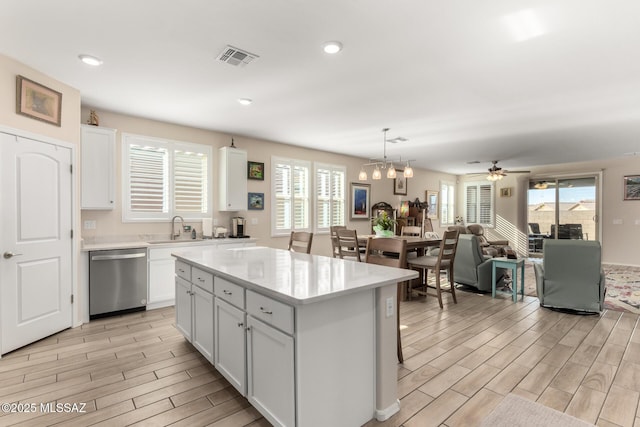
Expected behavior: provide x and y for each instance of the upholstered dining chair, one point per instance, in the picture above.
(300, 241)
(376, 248)
(334, 239)
(348, 244)
(442, 262)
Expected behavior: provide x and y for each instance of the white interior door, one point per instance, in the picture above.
(35, 240)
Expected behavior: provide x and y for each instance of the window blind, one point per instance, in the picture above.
(148, 175)
(479, 203)
(290, 196)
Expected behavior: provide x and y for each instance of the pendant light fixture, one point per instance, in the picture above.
(385, 163)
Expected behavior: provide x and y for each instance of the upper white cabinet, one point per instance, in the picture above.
(232, 167)
(98, 167)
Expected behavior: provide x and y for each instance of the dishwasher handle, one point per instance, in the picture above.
(112, 257)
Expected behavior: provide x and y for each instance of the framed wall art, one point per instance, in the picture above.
(360, 200)
(632, 187)
(255, 201)
(255, 170)
(400, 185)
(505, 192)
(433, 205)
(38, 102)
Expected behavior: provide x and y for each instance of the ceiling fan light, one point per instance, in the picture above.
(362, 176)
(391, 172)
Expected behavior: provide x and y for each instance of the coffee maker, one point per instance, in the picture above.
(238, 225)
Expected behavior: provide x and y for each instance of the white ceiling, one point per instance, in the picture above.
(447, 75)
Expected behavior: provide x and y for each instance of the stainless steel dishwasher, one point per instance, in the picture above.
(117, 281)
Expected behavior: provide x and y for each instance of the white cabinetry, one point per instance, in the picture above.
(270, 372)
(230, 344)
(98, 167)
(232, 169)
(194, 308)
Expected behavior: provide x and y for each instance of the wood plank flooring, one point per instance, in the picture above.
(460, 362)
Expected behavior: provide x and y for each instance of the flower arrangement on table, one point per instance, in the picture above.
(383, 225)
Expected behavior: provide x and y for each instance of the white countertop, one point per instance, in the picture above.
(290, 277)
(103, 246)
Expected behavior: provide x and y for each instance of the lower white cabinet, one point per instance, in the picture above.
(194, 316)
(230, 344)
(183, 307)
(270, 372)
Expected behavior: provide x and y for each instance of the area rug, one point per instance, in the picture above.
(622, 282)
(516, 411)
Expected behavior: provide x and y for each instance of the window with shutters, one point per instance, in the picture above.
(330, 196)
(479, 203)
(447, 203)
(163, 178)
(290, 202)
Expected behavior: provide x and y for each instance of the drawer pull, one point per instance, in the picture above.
(200, 280)
(226, 292)
(240, 325)
(181, 270)
(262, 309)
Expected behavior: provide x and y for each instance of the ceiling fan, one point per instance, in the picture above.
(497, 173)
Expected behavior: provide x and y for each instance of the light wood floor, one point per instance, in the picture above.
(459, 364)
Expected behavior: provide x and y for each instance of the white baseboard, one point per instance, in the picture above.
(385, 414)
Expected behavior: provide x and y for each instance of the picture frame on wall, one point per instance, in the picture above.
(433, 204)
(255, 201)
(38, 102)
(360, 200)
(400, 185)
(505, 192)
(632, 187)
(255, 170)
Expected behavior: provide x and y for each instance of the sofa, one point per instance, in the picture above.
(473, 268)
(571, 275)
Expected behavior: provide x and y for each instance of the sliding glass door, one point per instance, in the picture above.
(562, 208)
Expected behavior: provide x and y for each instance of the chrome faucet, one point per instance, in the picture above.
(173, 227)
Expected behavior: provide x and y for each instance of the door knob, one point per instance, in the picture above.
(8, 255)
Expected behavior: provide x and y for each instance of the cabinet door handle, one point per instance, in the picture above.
(240, 325)
(248, 328)
(262, 309)
(226, 292)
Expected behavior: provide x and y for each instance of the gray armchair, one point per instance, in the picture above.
(489, 247)
(471, 267)
(571, 275)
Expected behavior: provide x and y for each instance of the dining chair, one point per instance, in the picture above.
(442, 262)
(334, 239)
(410, 230)
(348, 244)
(300, 241)
(376, 248)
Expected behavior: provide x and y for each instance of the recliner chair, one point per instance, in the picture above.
(489, 247)
(472, 267)
(571, 275)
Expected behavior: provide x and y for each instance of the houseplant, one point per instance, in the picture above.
(383, 225)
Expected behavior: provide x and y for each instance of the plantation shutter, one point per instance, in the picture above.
(323, 198)
(190, 181)
(282, 190)
(301, 197)
(148, 179)
(479, 205)
(338, 197)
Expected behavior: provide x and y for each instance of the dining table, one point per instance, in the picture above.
(414, 243)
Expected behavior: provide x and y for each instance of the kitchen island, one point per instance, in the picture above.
(309, 340)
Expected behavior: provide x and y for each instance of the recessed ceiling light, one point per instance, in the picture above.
(332, 47)
(90, 60)
(245, 101)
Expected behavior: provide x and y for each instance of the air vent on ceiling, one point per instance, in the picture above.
(236, 57)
